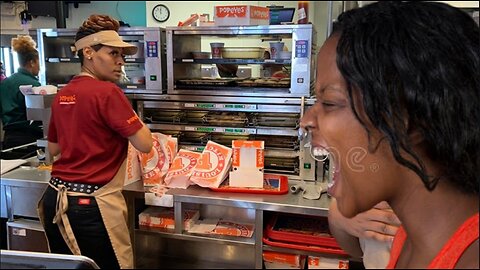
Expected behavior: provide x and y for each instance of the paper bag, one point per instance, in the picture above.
(155, 164)
(182, 167)
(133, 172)
(213, 166)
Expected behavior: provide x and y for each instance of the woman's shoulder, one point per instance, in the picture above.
(107, 86)
(96, 86)
(21, 79)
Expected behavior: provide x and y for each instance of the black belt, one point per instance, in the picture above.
(75, 187)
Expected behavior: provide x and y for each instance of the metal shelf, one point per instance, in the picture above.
(233, 61)
(217, 239)
(228, 130)
(77, 60)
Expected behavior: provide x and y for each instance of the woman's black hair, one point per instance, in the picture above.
(95, 23)
(415, 66)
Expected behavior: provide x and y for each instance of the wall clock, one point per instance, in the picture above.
(161, 13)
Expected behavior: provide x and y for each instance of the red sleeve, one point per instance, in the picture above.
(119, 114)
(52, 129)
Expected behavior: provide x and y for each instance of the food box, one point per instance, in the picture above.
(232, 228)
(277, 260)
(241, 15)
(157, 196)
(159, 217)
(247, 163)
(327, 263)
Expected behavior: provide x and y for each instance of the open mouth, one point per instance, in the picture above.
(333, 172)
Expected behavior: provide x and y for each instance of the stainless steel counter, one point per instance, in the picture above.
(289, 203)
(25, 179)
(259, 203)
(26, 176)
(21, 189)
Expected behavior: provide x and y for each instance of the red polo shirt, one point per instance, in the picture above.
(91, 121)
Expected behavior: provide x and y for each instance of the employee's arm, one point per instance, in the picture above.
(142, 139)
(53, 149)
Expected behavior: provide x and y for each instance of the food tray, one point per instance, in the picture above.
(319, 249)
(264, 82)
(272, 184)
(305, 230)
(243, 52)
(200, 82)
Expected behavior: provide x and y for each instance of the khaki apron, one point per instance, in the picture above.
(114, 214)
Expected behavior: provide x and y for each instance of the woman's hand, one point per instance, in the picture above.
(379, 223)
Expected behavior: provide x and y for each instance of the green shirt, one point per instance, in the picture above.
(14, 111)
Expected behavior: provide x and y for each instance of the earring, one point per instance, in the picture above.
(89, 58)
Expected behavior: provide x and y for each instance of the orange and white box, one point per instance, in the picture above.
(242, 15)
(155, 164)
(157, 196)
(178, 176)
(326, 263)
(277, 260)
(248, 162)
(213, 166)
(231, 228)
(158, 217)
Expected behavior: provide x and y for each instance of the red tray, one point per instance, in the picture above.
(272, 184)
(327, 250)
(300, 229)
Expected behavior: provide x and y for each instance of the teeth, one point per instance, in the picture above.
(331, 178)
(320, 152)
(330, 183)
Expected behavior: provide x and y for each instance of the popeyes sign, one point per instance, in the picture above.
(243, 11)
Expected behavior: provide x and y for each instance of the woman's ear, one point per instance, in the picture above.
(87, 52)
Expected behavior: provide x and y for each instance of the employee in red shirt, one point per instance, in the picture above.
(92, 122)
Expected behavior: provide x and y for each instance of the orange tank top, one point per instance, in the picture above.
(451, 252)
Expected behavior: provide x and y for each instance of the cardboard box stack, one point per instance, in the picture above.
(159, 217)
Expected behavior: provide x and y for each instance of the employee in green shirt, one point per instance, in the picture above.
(19, 130)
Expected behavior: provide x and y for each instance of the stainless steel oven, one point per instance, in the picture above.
(145, 71)
(244, 48)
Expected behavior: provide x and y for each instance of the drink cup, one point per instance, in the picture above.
(216, 49)
(275, 48)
